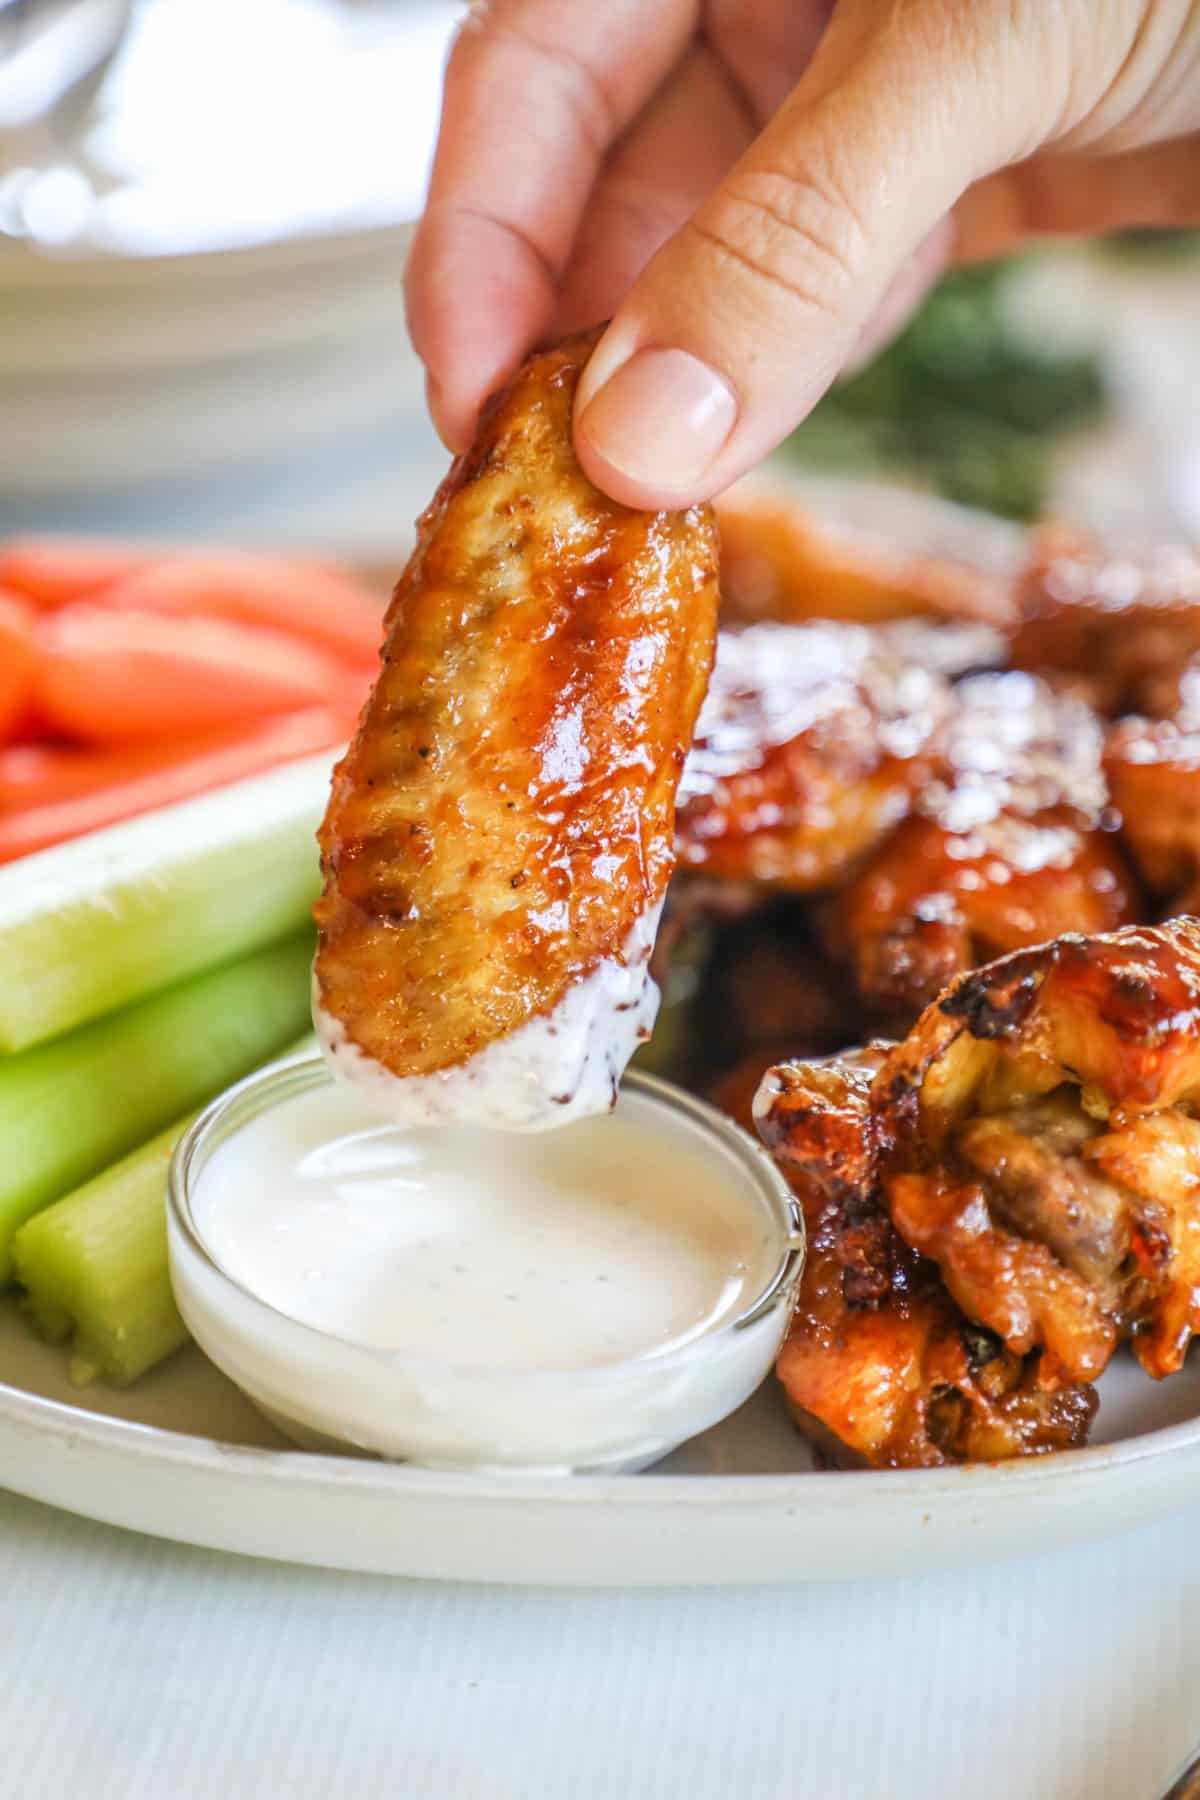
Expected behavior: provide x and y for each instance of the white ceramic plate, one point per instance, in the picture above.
(183, 1456)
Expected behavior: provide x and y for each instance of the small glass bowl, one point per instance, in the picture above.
(327, 1392)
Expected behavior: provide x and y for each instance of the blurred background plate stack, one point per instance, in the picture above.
(204, 207)
(204, 210)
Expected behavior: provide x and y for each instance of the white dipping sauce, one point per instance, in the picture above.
(604, 1242)
(558, 1067)
(580, 1299)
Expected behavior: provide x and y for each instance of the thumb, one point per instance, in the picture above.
(742, 320)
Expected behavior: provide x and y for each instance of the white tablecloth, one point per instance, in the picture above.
(139, 1670)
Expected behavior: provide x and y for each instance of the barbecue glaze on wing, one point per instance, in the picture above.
(1153, 770)
(880, 1368)
(1042, 1147)
(809, 748)
(502, 826)
(1007, 846)
(1124, 626)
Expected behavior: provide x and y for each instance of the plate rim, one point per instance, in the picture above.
(185, 1450)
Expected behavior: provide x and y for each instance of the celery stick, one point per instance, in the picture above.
(94, 1267)
(91, 925)
(70, 1107)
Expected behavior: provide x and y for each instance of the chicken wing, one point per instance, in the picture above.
(810, 746)
(1006, 846)
(1125, 625)
(500, 833)
(779, 562)
(880, 1367)
(1153, 770)
(1042, 1147)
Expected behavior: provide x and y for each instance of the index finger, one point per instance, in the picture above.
(536, 92)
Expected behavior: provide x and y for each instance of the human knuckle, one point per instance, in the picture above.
(495, 32)
(796, 231)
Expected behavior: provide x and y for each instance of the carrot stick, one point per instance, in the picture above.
(51, 570)
(320, 605)
(18, 662)
(277, 741)
(111, 677)
(42, 774)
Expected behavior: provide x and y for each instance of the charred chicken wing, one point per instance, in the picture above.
(1042, 1146)
(880, 1367)
(501, 832)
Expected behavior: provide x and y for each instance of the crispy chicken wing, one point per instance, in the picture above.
(1042, 1146)
(1005, 847)
(880, 1367)
(808, 750)
(500, 833)
(779, 562)
(1124, 624)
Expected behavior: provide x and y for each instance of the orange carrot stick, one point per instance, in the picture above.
(18, 662)
(51, 570)
(278, 741)
(112, 677)
(43, 774)
(320, 605)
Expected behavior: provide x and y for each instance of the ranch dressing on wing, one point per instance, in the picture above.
(563, 1065)
(616, 1238)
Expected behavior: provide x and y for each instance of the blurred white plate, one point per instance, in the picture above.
(218, 291)
(182, 1456)
(122, 316)
(231, 124)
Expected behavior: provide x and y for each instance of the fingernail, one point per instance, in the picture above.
(661, 418)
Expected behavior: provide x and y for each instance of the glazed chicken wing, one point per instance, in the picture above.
(1153, 770)
(501, 832)
(1042, 1147)
(1123, 625)
(779, 562)
(880, 1368)
(1006, 847)
(809, 748)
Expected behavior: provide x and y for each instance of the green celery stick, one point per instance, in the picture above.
(71, 1107)
(94, 1265)
(94, 1268)
(91, 925)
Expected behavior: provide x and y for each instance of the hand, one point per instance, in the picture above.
(757, 191)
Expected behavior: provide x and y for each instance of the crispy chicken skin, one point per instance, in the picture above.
(1006, 847)
(1126, 625)
(505, 816)
(880, 1368)
(1041, 1145)
(809, 748)
(780, 563)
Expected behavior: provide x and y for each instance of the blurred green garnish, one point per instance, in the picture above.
(1155, 241)
(960, 402)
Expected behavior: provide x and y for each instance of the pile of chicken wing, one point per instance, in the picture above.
(952, 820)
(946, 816)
